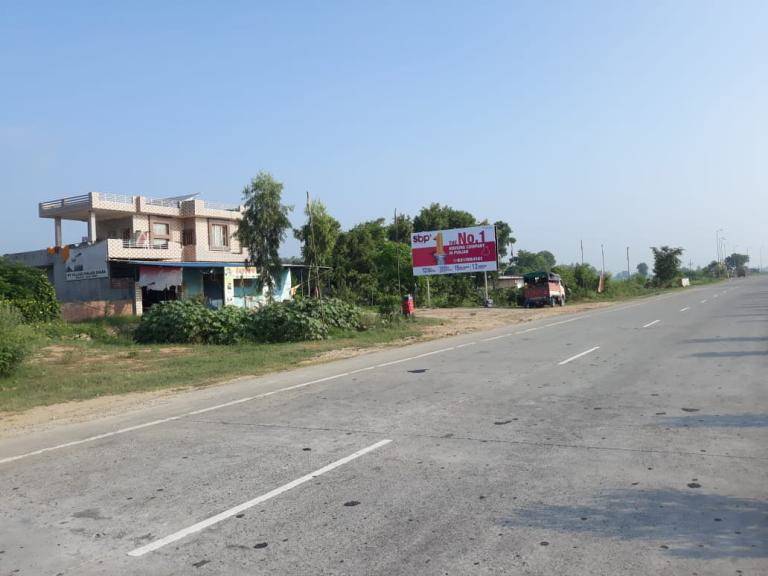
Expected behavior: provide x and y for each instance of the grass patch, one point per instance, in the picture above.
(98, 358)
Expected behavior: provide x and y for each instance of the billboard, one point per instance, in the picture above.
(84, 263)
(455, 251)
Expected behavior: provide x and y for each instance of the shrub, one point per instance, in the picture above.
(331, 311)
(29, 290)
(15, 339)
(191, 322)
(284, 322)
(505, 296)
(177, 321)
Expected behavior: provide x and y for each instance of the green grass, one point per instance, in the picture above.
(106, 361)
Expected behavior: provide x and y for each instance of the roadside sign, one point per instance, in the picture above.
(454, 251)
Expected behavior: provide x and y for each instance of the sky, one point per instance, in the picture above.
(626, 124)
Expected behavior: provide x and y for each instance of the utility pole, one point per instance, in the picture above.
(602, 251)
(629, 273)
(397, 257)
(582, 251)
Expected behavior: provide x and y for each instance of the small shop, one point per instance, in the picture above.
(214, 283)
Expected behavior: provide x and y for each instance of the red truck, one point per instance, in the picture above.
(543, 289)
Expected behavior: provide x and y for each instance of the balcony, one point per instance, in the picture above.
(78, 207)
(141, 250)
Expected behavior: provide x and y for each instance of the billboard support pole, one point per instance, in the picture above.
(429, 295)
(485, 278)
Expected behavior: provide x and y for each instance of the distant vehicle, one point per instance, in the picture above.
(543, 289)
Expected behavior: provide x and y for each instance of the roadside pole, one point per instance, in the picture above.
(629, 274)
(429, 295)
(485, 278)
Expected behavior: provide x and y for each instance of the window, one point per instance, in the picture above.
(161, 233)
(188, 237)
(218, 236)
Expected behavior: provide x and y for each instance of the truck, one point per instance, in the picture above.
(543, 289)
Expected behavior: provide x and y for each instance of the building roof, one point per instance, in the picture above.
(169, 264)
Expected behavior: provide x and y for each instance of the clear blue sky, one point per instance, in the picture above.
(627, 123)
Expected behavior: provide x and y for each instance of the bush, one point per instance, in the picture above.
(15, 339)
(505, 296)
(331, 311)
(190, 322)
(29, 291)
(284, 322)
(177, 321)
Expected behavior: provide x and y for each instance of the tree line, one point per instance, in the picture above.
(370, 262)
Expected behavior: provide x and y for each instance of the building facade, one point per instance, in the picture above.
(139, 251)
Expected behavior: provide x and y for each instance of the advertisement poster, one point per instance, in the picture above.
(455, 251)
(87, 262)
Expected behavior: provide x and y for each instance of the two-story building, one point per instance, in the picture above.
(141, 250)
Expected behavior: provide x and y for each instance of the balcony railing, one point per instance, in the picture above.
(71, 202)
(221, 206)
(146, 245)
(116, 198)
(162, 202)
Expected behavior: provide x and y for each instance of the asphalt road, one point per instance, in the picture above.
(628, 440)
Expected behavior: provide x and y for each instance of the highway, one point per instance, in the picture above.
(625, 440)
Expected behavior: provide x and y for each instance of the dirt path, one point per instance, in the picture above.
(454, 321)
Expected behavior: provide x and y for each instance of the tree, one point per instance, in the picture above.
(666, 264)
(437, 217)
(642, 269)
(318, 235)
(714, 269)
(735, 260)
(401, 229)
(526, 261)
(263, 226)
(504, 238)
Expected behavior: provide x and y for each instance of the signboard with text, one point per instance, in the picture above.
(455, 251)
(86, 262)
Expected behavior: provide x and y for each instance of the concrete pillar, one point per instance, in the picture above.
(57, 231)
(91, 227)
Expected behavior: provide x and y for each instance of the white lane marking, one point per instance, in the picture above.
(564, 321)
(526, 330)
(203, 524)
(704, 301)
(684, 309)
(651, 323)
(496, 337)
(465, 345)
(716, 295)
(362, 369)
(89, 439)
(579, 355)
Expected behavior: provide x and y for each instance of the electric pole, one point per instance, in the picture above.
(629, 274)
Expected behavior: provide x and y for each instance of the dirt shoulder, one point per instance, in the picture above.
(449, 322)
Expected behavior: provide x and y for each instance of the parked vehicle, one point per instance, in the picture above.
(543, 289)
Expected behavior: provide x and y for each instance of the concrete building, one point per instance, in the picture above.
(141, 250)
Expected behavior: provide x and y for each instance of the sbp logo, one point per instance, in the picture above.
(421, 238)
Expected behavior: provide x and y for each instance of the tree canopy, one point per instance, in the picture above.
(642, 269)
(318, 235)
(264, 226)
(666, 264)
(504, 238)
(736, 260)
(437, 217)
(526, 261)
